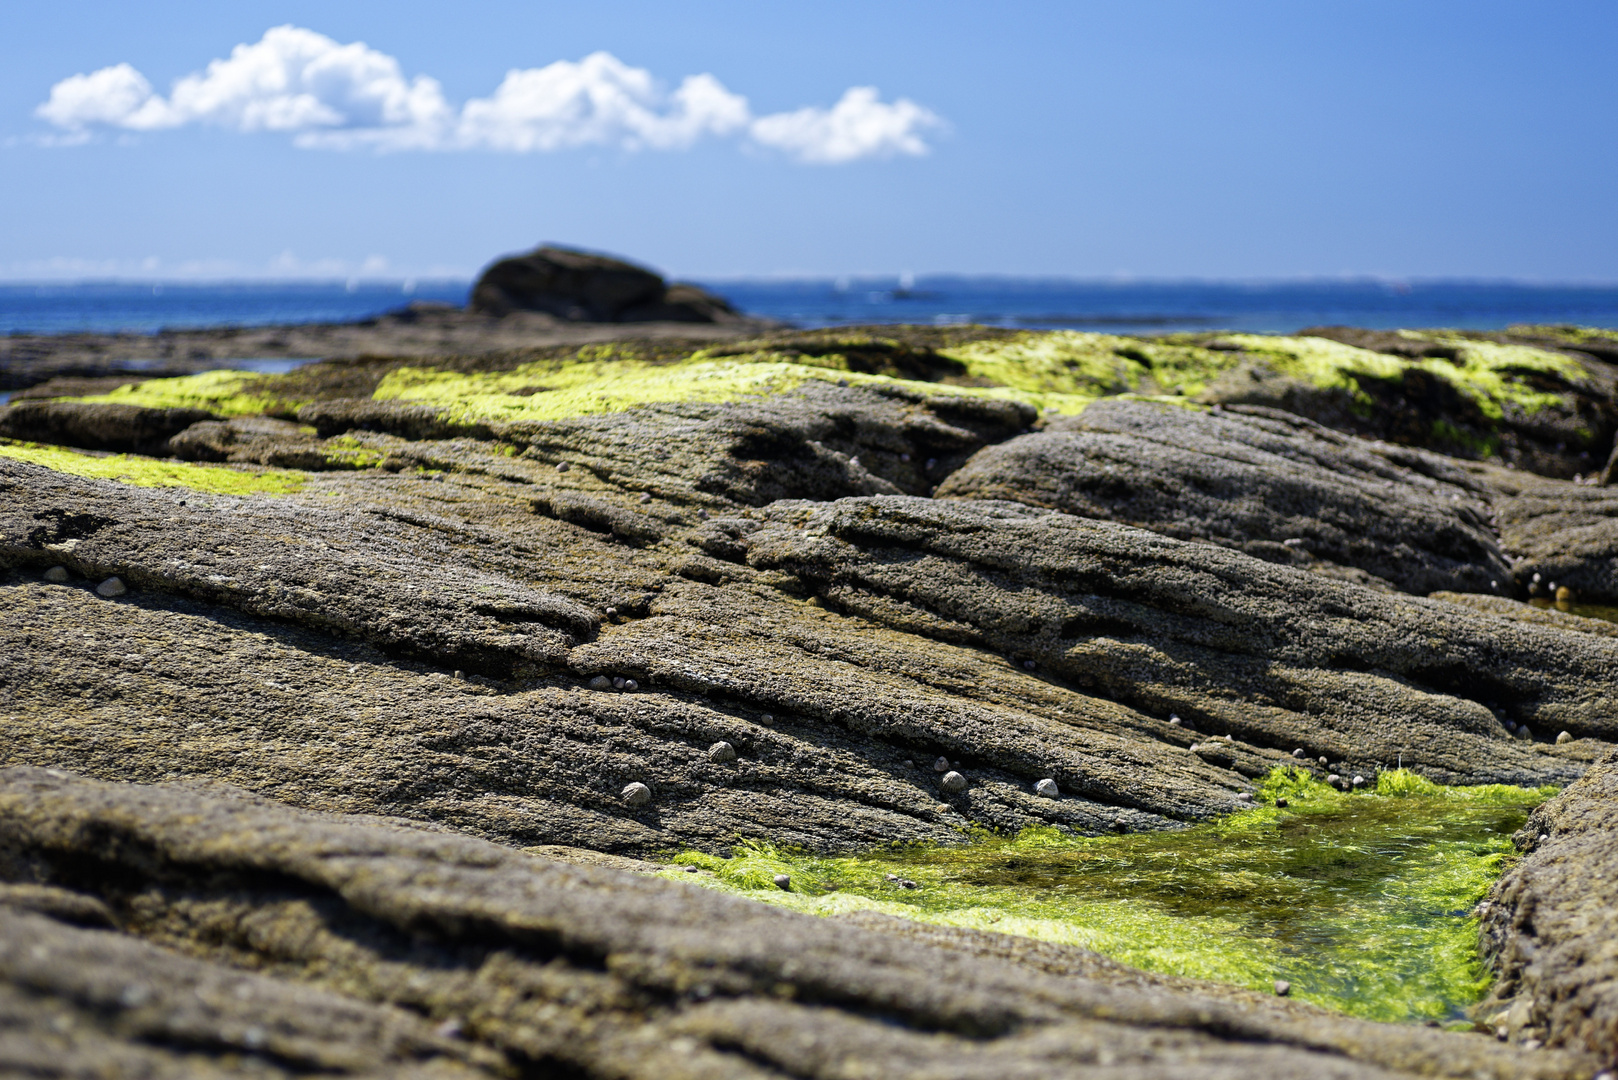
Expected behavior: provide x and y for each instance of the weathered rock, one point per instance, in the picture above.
(97, 425)
(1566, 533)
(1547, 923)
(1265, 482)
(255, 936)
(583, 287)
(1278, 656)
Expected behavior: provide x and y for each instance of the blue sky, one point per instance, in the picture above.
(1151, 138)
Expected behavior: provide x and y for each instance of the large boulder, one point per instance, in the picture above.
(582, 287)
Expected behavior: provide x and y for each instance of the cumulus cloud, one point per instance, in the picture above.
(328, 95)
(860, 125)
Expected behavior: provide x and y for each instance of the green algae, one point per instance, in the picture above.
(154, 472)
(1492, 376)
(1066, 369)
(1361, 901)
(223, 393)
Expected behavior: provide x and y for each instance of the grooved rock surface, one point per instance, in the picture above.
(1548, 922)
(1275, 655)
(1566, 533)
(252, 938)
(1266, 482)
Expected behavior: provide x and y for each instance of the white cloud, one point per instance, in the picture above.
(342, 97)
(598, 101)
(860, 125)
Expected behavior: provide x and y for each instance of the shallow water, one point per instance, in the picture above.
(1588, 611)
(1362, 902)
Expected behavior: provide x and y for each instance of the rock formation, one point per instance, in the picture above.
(398, 639)
(583, 287)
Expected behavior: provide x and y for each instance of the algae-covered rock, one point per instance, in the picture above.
(1262, 481)
(255, 937)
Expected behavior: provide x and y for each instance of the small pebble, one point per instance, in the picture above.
(645, 497)
(630, 685)
(1029, 664)
(1282, 988)
(721, 752)
(637, 794)
(1563, 737)
(767, 719)
(1047, 789)
(1564, 595)
(601, 682)
(953, 782)
(612, 613)
(1243, 796)
(1281, 803)
(783, 881)
(111, 587)
(842, 382)
(562, 466)
(941, 765)
(1298, 753)
(906, 883)
(932, 463)
(1175, 721)
(690, 869)
(703, 514)
(1121, 825)
(1322, 762)
(904, 457)
(1523, 733)
(56, 573)
(1358, 781)
(1334, 779)
(1531, 1044)
(853, 462)
(1536, 579)
(1544, 836)
(1229, 738)
(459, 674)
(891, 877)
(910, 763)
(618, 682)
(450, 1029)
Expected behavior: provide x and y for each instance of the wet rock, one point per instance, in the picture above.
(1262, 481)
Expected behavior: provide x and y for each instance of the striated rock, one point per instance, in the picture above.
(255, 936)
(1566, 533)
(1262, 481)
(582, 287)
(1278, 656)
(1547, 923)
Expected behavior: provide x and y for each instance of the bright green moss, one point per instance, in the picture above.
(1361, 901)
(347, 452)
(555, 390)
(1066, 369)
(152, 472)
(1493, 376)
(224, 393)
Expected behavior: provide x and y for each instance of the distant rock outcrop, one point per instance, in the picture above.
(582, 287)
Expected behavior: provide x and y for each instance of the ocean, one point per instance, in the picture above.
(1132, 307)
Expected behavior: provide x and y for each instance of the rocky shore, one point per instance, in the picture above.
(325, 695)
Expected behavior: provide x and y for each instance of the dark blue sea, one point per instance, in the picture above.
(1115, 306)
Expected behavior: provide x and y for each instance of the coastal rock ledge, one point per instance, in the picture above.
(347, 716)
